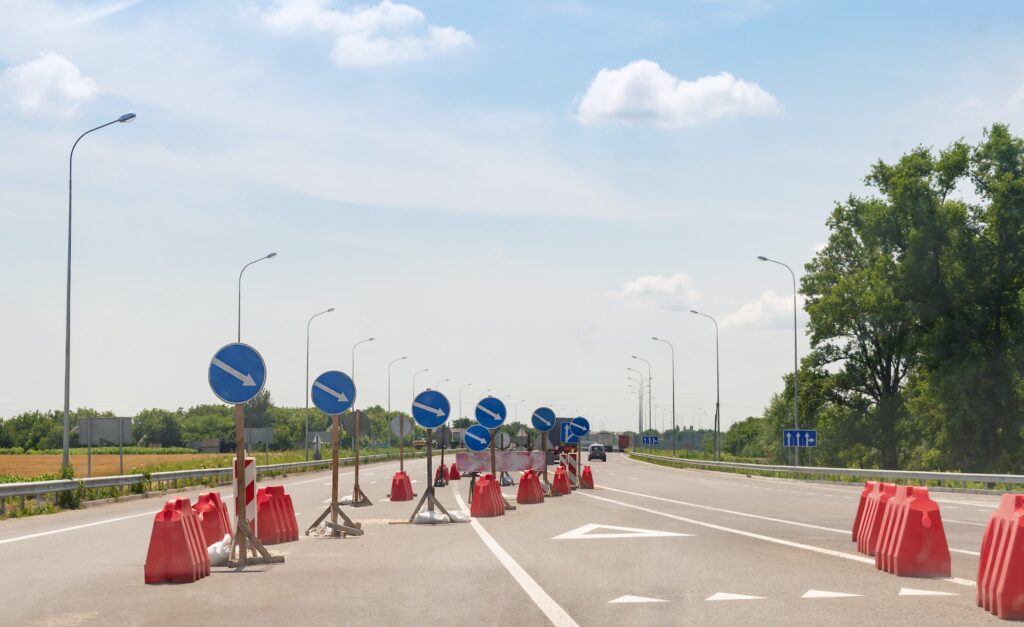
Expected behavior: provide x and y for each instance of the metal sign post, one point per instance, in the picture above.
(333, 393)
(430, 409)
(490, 413)
(543, 420)
(356, 420)
(579, 427)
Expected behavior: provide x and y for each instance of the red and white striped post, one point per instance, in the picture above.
(249, 477)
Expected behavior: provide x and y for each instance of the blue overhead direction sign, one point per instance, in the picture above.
(543, 419)
(477, 438)
(333, 392)
(490, 412)
(580, 426)
(430, 409)
(237, 373)
(800, 438)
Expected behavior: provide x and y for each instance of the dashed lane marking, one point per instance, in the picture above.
(629, 598)
(825, 594)
(729, 596)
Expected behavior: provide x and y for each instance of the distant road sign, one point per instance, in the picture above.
(543, 419)
(333, 392)
(348, 422)
(399, 430)
(650, 439)
(477, 438)
(430, 409)
(502, 440)
(237, 373)
(801, 438)
(443, 437)
(579, 426)
(490, 412)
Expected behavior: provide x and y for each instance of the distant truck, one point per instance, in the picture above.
(624, 442)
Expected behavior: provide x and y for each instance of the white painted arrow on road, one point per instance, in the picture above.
(825, 594)
(247, 380)
(338, 395)
(548, 423)
(729, 596)
(629, 598)
(584, 533)
(489, 412)
(437, 412)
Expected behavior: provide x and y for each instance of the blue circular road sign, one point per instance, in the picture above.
(476, 438)
(430, 409)
(543, 419)
(490, 412)
(333, 392)
(237, 373)
(579, 426)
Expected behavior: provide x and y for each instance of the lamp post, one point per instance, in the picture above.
(307, 374)
(369, 339)
(650, 413)
(127, 117)
(270, 256)
(414, 375)
(392, 363)
(796, 373)
(641, 400)
(673, 349)
(438, 384)
(718, 388)
(516, 410)
(461, 415)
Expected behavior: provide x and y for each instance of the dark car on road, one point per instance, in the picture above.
(596, 451)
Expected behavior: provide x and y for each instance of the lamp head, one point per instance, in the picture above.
(330, 310)
(762, 258)
(694, 311)
(127, 117)
(271, 255)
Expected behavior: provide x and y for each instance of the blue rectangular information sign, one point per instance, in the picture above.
(800, 438)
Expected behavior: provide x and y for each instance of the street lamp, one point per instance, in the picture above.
(414, 375)
(718, 388)
(641, 398)
(673, 348)
(461, 415)
(392, 363)
(127, 117)
(306, 393)
(369, 339)
(796, 377)
(650, 391)
(270, 256)
(438, 384)
(516, 410)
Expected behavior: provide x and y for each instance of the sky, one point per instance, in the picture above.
(515, 195)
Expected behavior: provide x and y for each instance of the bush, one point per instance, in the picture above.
(70, 499)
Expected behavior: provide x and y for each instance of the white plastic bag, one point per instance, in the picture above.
(219, 552)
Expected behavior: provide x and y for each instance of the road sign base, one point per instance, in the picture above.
(359, 499)
(431, 501)
(244, 542)
(350, 528)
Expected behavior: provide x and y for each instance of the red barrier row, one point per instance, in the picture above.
(587, 479)
(902, 528)
(213, 517)
(560, 484)
(177, 547)
(275, 516)
(1001, 566)
(487, 498)
(877, 495)
(401, 487)
(530, 490)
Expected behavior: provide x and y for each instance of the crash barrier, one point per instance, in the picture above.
(504, 461)
(871, 519)
(560, 484)
(453, 473)
(869, 486)
(213, 517)
(401, 487)
(276, 521)
(487, 498)
(439, 479)
(1001, 566)
(587, 479)
(911, 541)
(177, 547)
(530, 491)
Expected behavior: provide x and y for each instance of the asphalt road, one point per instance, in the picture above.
(701, 548)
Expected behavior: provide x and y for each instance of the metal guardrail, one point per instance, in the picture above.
(861, 473)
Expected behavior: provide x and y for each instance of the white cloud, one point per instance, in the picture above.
(50, 84)
(369, 35)
(674, 293)
(770, 308)
(644, 94)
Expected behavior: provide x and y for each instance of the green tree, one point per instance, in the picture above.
(157, 426)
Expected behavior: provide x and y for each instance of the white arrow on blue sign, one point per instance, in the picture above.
(237, 373)
(543, 419)
(490, 412)
(579, 426)
(477, 438)
(800, 438)
(567, 435)
(430, 409)
(333, 392)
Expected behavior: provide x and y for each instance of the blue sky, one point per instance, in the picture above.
(516, 195)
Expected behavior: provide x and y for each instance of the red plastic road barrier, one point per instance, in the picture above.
(871, 522)
(1001, 567)
(560, 484)
(587, 478)
(453, 473)
(869, 487)
(287, 510)
(276, 516)
(401, 487)
(177, 547)
(213, 517)
(530, 491)
(912, 542)
(439, 480)
(484, 504)
(447, 475)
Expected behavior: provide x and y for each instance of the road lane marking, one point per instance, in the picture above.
(629, 598)
(825, 594)
(551, 609)
(76, 527)
(729, 596)
(913, 592)
(585, 533)
(964, 522)
(965, 552)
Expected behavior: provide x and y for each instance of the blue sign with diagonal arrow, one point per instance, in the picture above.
(543, 419)
(477, 438)
(333, 392)
(430, 409)
(237, 373)
(490, 412)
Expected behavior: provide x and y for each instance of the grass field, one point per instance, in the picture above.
(102, 465)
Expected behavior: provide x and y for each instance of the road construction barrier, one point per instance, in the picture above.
(177, 547)
(871, 520)
(401, 487)
(213, 517)
(587, 479)
(504, 461)
(439, 480)
(560, 484)
(1001, 566)
(276, 516)
(869, 487)
(487, 498)
(530, 490)
(911, 541)
(453, 473)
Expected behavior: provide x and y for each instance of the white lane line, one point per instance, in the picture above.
(964, 522)
(757, 536)
(965, 552)
(729, 596)
(76, 527)
(551, 609)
